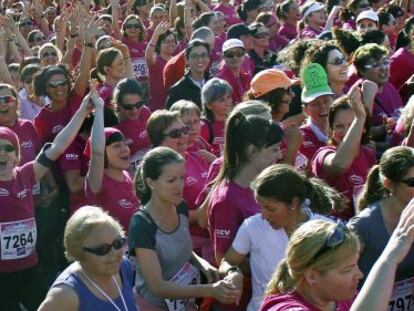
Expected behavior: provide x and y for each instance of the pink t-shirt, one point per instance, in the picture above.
(105, 92)
(136, 131)
(277, 43)
(350, 182)
(309, 33)
(229, 205)
(229, 13)
(213, 133)
(288, 31)
(310, 143)
(295, 302)
(17, 223)
(402, 67)
(29, 140)
(196, 171)
(74, 159)
(116, 197)
(137, 52)
(239, 84)
(386, 104)
(49, 123)
(156, 85)
(350, 25)
(212, 173)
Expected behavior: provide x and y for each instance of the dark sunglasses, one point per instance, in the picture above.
(38, 39)
(409, 182)
(137, 105)
(26, 23)
(55, 84)
(338, 61)
(7, 99)
(7, 148)
(47, 54)
(177, 133)
(104, 249)
(131, 26)
(334, 239)
(234, 54)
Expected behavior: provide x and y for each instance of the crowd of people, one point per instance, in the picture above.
(207, 155)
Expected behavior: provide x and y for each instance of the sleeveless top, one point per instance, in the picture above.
(88, 301)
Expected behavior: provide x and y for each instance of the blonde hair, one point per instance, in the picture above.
(251, 107)
(50, 46)
(407, 115)
(303, 246)
(81, 224)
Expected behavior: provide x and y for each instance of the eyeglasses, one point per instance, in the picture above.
(169, 42)
(234, 54)
(384, 63)
(7, 148)
(334, 239)
(38, 39)
(177, 133)
(409, 182)
(55, 84)
(137, 105)
(261, 35)
(198, 56)
(7, 99)
(26, 23)
(104, 249)
(47, 54)
(131, 26)
(338, 61)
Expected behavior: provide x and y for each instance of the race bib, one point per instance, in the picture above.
(187, 275)
(301, 162)
(18, 239)
(402, 296)
(140, 67)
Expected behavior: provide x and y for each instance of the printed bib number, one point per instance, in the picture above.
(18, 239)
(188, 275)
(140, 67)
(402, 296)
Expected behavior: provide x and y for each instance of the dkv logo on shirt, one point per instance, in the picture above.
(4, 192)
(356, 180)
(124, 203)
(223, 233)
(26, 144)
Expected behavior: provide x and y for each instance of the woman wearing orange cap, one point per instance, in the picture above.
(273, 87)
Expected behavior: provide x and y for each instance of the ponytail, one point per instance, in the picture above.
(373, 190)
(323, 199)
(281, 280)
(141, 188)
(404, 38)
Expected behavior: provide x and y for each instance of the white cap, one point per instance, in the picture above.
(368, 14)
(316, 6)
(232, 43)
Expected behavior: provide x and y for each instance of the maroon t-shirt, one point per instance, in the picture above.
(29, 140)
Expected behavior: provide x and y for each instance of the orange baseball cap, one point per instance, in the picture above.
(268, 80)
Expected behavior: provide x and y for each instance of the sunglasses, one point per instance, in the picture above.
(384, 63)
(27, 23)
(409, 182)
(38, 39)
(7, 148)
(234, 54)
(131, 26)
(55, 84)
(334, 239)
(104, 249)
(177, 133)
(137, 105)
(7, 99)
(338, 61)
(47, 54)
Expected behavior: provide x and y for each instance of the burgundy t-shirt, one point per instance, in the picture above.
(157, 91)
(29, 140)
(310, 143)
(214, 134)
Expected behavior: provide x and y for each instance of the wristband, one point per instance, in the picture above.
(43, 159)
(234, 269)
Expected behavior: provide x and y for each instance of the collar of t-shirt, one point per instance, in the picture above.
(317, 131)
(199, 83)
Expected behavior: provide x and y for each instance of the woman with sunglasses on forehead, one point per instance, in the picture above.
(388, 190)
(133, 35)
(49, 55)
(100, 278)
(133, 115)
(320, 271)
(20, 278)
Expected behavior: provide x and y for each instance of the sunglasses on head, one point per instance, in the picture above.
(7, 99)
(338, 61)
(7, 148)
(177, 133)
(54, 84)
(234, 54)
(131, 26)
(333, 240)
(104, 249)
(409, 182)
(137, 105)
(47, 54)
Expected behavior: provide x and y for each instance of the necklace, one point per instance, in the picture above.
(104, 294)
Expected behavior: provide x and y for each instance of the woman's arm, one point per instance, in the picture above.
(188, 21)
(5, 76)
(61, 298)
(339, 162)
(150, 50)
(377, 289)
(116, 7)
(331, 18)
(129, 67)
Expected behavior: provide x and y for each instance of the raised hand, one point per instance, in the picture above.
(355, 97)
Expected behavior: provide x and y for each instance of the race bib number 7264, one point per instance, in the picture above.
(18, 238)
